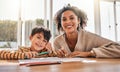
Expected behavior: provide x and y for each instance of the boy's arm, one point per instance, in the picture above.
(15, 55)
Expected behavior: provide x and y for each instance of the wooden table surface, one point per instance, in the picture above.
(93, 65)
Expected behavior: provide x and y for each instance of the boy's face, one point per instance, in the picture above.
(38, 42)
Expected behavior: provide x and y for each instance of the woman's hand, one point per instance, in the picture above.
(80, 54)
(61, 52)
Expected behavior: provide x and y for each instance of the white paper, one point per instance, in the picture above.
(54, 59)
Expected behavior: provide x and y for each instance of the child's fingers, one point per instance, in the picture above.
(31, 54)
(34, 54)
(49, 46)
(28, 55)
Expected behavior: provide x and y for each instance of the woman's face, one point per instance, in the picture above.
(69, 21)
(38, 42)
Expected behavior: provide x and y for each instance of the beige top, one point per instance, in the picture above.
(88, 41)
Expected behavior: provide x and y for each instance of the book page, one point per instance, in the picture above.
(55, 59)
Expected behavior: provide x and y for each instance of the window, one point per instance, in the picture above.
(110, 19)
(8, 23)
(17, 18)
(118, 20)
(107, 20)
(32, 14)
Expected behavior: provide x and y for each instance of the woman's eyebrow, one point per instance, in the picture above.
(69, 16)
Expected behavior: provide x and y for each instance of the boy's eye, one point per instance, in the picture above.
(38, 37)
(45, 41)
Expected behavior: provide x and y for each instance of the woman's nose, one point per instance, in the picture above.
(68, 21)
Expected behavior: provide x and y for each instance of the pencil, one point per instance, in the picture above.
(42, 53)
(40, 63)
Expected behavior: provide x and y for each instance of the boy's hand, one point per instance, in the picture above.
(49, 47)
(29, 55)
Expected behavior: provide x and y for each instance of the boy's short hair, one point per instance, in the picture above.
(39, 29)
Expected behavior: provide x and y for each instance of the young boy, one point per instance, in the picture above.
(39, 45)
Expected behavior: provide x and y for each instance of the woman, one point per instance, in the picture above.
(75, 41)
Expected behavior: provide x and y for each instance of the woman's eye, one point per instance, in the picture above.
(71, 18)
(64, 19)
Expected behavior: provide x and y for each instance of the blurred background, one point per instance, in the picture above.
(18, 17)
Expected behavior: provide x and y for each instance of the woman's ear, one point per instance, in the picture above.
(30, 37)
(79, 20)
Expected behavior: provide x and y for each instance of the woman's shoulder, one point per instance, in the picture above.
(88, 33)
(93, 36)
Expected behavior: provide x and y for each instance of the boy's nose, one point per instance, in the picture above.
(39, 41)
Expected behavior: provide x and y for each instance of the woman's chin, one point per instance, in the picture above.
(70, 31)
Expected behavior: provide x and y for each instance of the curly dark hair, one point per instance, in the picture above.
(39, 29)
(79, 13)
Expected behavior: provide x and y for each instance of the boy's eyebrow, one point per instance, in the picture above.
(43, 36)
(38, 34)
